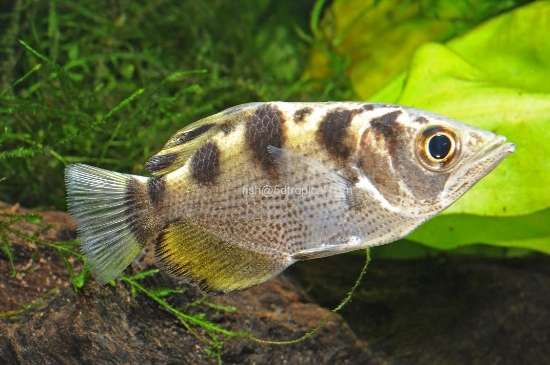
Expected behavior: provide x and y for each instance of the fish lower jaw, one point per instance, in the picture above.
(477, 167)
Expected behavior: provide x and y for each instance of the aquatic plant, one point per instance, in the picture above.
(110, 89)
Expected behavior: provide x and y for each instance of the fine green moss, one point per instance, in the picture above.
(107, 84)
(68, 65)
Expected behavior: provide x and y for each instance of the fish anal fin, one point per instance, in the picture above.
(195, 255)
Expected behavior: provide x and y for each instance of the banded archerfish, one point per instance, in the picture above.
(237, 197)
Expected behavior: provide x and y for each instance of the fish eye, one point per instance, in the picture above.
(438, 148)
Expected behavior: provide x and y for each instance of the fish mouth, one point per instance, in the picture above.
(485, 160)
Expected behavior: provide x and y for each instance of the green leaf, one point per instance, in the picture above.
(80, 279)
(454, 230)
(163, 292)
(442, 82)
(143, 274)
(494, 77)
(32, 218)
(380, 37)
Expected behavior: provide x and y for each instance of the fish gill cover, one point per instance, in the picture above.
(493, 76)
(108, 90)
(107, 83)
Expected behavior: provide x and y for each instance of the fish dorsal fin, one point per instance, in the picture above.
(183, 144)
(196, 255)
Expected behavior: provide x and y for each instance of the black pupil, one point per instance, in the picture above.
(439, 146)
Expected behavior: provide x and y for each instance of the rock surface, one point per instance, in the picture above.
(442, 310)
(107, 325)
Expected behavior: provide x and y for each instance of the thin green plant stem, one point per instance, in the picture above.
(33, 305)
(328, 316)
(7, 250)
(52, 64)
(97, 123)
(21, 79)
(316, 18)
(189, 319)
(56, 245)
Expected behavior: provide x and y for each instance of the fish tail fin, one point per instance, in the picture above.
(115, 216)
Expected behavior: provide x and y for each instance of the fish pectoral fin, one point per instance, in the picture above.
(196, 255)
(329, 250)
(324, 199)
(311, 178)
(316, 253)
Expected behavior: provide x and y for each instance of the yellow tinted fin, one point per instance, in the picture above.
(195, 255)
(184, 143)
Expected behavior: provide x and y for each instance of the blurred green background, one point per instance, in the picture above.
(108, 82)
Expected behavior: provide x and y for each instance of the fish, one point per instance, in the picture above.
(237, 197)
